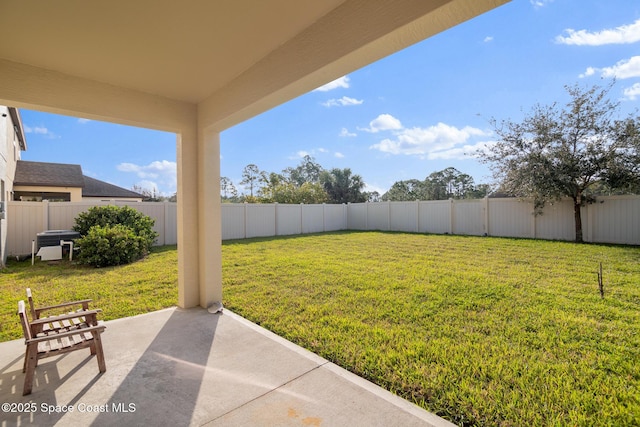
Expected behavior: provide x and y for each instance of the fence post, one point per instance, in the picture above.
(275, 215)
(451, 216)
(301, 218)
(366, 216)
(417, 216)
(45, 215)
(324, 217)
(534, 219)
(166, 220)
(347, 210)
(589, 224)
(389, 215)
(486, 215)
(245, 219)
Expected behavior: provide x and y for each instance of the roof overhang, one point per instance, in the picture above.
(17, 125)
(229, 60)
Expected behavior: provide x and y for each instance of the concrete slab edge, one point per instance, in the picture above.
(415, 410)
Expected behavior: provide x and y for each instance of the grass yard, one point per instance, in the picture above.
(137, 288)
(481, 331)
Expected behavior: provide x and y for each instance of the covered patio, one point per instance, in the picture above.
(184, 367)
(195, 69)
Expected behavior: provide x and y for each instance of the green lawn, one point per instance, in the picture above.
(481, 331)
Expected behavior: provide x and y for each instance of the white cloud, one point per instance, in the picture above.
(435, 142)
(159, 174)
(620, 35)
(625, 69)
(631, 93)
(467, 151)
(344, 132)
(488, 39)
(300, 154)
(40, 130)
(83, 121)
(342, 82)
(540, 3)
(383, 122)
(342, 102)
(339, 155)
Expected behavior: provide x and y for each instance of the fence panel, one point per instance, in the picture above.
(260, 220)
(404, 216)
(233, 221)
(435, 216)
(510, 218)
(335, 217)
(62, 216)
(357, 216)
(288, 219)
(378, 216)
(468, 217)
(556, 222)
(24, 221)
(615, 219)
(313, 220)
(170, 223)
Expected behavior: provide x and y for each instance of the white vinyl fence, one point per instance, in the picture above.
(612, 219)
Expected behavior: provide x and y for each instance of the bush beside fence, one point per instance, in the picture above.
(612, 219)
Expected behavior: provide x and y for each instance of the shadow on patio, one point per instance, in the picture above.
(190, 367)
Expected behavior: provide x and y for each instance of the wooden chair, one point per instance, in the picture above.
(58, 340)
(67, 324)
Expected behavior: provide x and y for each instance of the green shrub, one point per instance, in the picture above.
(142, 225)
(110, 245)
(112, 235)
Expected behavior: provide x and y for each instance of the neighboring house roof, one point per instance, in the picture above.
(48, 174)
(96, 188)
(66, 175)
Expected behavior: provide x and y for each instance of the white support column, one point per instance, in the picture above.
(209, 218)
(188, 259)
(199, 219)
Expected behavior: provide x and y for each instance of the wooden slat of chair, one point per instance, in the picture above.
(39, 312)
(55, 343)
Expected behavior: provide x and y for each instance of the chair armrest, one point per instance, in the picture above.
(89, 313)
(84, 303)
(65, 334)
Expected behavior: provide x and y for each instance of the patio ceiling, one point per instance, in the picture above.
(200, 50)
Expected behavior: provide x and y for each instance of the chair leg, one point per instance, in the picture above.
(99, 353)
(31, 361)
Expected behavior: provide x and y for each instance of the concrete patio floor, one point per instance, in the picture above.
(179, 367)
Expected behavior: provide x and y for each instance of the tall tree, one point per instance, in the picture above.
(408, 190)
(227, 189)
(343, 187)
(565, 151)
(307, 171)
(250, 177)
(449, 183)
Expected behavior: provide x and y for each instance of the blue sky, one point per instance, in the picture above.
(418, 111)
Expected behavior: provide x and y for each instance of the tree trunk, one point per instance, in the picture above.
(578, 219)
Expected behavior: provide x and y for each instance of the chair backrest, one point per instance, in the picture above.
(26, 329)
(32, 309)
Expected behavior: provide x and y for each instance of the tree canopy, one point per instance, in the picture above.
(573, 150)
(448, 183)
